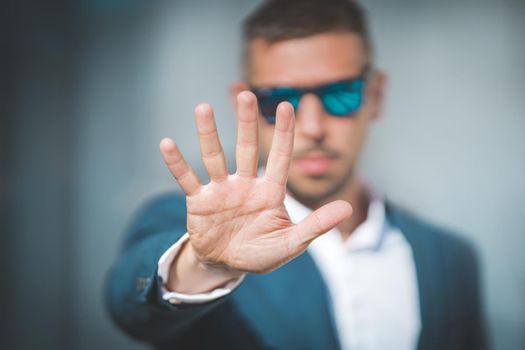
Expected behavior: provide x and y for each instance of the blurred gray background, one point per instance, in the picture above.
(92, 86)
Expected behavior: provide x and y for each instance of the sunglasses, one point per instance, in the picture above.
(340, 98)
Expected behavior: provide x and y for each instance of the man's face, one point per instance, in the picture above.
(326, 148)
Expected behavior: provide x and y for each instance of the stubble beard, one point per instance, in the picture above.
(313, 199)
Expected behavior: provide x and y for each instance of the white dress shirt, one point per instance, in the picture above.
(371, 279)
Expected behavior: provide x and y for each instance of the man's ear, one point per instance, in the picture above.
(377, 87)
(235, 88)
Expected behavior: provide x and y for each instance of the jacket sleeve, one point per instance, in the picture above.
(132, 290)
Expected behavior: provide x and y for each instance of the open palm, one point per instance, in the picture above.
(238, 221)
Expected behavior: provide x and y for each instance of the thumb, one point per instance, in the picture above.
(320, 221)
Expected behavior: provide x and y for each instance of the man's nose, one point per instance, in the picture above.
(310, 117)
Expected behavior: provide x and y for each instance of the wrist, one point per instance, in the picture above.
(211, 269)
(188, 274)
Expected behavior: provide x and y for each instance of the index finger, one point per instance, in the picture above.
(282, 145)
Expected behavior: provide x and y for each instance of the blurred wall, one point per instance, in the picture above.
(35, 188)
(91, 105)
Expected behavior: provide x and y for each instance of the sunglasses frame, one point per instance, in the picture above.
(318, 90)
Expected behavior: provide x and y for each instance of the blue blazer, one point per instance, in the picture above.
(260, 314)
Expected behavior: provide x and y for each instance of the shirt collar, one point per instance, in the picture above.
(367, 236)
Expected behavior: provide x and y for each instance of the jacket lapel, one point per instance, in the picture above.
(425, 249)
(289, 308)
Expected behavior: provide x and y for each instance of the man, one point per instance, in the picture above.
(277, 257)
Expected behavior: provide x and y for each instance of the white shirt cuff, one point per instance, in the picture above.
(164, 266)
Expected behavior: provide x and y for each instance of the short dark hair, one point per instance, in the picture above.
(277, 20)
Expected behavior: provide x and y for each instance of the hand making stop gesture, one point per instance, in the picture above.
(237, 223)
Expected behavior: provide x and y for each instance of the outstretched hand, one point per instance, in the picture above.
(238, 222)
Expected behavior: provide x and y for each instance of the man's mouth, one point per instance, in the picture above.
(314, 164)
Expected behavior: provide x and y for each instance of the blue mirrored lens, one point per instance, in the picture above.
(342, 99)
(267, 107)
(268, 103)
(341, 103)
